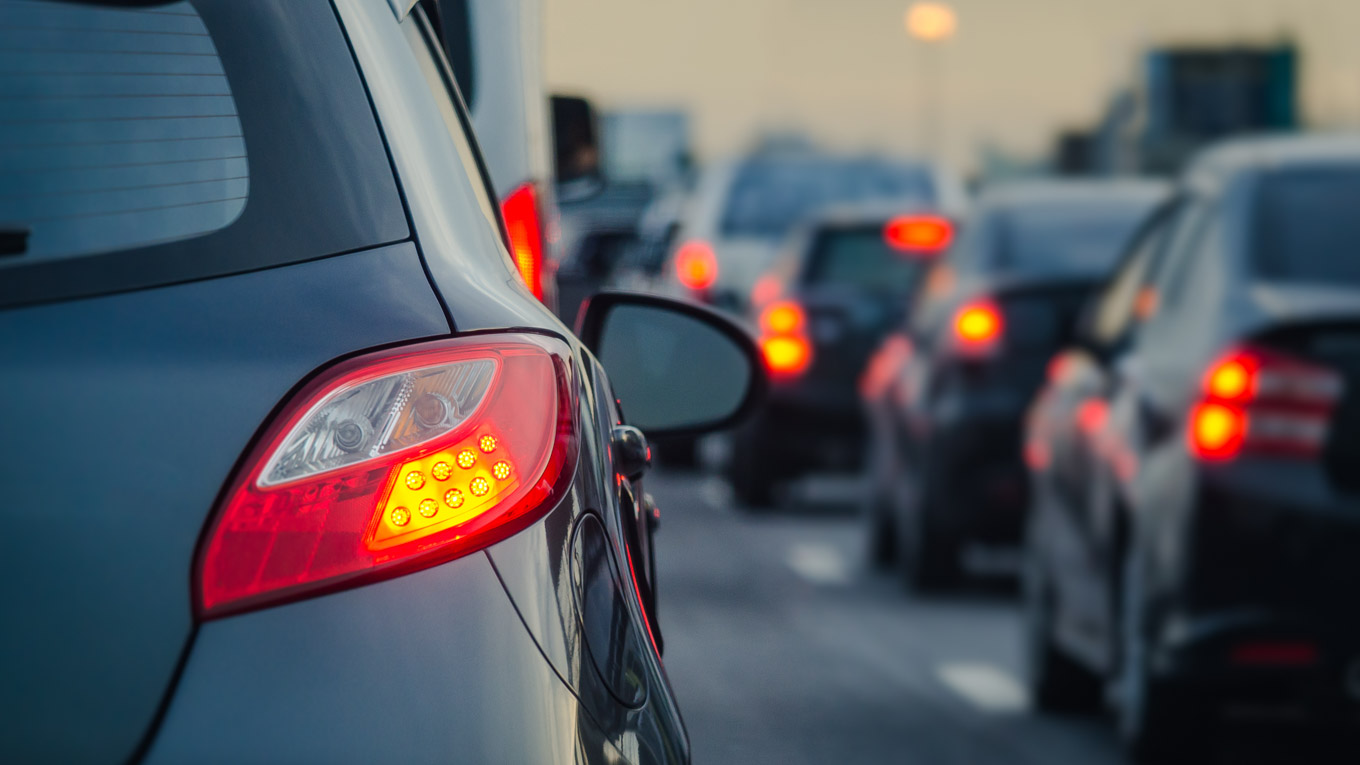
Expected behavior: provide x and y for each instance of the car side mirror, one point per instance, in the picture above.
(678, 368)
(576, 148)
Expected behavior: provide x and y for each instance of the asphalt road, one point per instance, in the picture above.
(784, 649)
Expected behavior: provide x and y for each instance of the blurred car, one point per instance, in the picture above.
(597, 236)
(494, 48)
(301, 469)
(990, 315)
(741, 212)
(842, 282)
(1196, 519)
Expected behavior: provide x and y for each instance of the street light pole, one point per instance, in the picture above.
(931, 23)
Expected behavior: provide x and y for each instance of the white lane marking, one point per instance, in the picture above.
(985, 686)
(819, 564)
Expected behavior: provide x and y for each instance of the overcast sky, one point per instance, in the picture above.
(845, 72)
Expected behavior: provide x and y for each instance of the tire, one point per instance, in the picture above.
(751, 472)
(881, 536)
(1057, 683)
(1159, 723)
(929, 555)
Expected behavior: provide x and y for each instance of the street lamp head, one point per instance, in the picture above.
(931, 22)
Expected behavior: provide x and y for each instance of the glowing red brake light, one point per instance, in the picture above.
(525, 231)
(978, 327)
(696, 266)
(393, 462)
(919, 234)
(783, 340)
(782, 318)
(1264, 401)
(786, 354)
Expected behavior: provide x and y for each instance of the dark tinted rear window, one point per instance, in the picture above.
(146, 145)
(768, 197)
(859, 258)
(1308, 229)
(1069, 239)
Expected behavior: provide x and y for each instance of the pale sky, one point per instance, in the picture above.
(845, 72)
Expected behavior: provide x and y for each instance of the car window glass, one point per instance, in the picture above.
(1115, 310)
(860, 258)
(768, 197)
(149, 145)
(1075, 239)
(1185, 234)
(1306, 227)
(439, 78)
(97, 159)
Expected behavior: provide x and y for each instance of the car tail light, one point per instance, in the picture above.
(523, 226)
(392, 462)
(978, 327)
(783, 318)
(1263, 401)
(919, 234)
(696, 266)
(783, 338)
(1276, 654)
(766, 288)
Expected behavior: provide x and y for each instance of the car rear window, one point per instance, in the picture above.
(860, 259)
(767, 197)
(1307, 228)
(1071, 239)
(165, 142)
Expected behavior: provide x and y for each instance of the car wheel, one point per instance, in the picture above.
(751, 473)
(1057, 683)
(1159, 724)
(882, 541)
(930, 555)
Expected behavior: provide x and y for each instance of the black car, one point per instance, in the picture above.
(296, 468)
(989, 317)
(840, 284)
(1195, 530)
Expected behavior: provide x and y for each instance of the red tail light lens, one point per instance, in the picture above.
(1263, 401)
(786, 354)
(765, 289)
(782, 318)
(978, 327)
(1217, 431)
(522, 224)
(783, 341)
(696, 266)
(919, 234)
(393, 462)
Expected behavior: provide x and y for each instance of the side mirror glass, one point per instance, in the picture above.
(677, 368)
(576, 147)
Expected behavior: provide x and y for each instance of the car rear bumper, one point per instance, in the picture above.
(799, 433)
(431, 667)
(1263, 608)
(975, 455)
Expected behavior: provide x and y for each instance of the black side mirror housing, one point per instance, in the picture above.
(678, 368)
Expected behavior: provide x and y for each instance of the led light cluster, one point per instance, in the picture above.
(446, 487)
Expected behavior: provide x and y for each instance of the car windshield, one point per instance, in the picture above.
(859, 258)
(1307, 228)
(768, 197)
(1075, 240)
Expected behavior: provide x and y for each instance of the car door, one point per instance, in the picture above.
(1079, 439)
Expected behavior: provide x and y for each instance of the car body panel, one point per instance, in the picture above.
(174, 404)
(362, 676)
